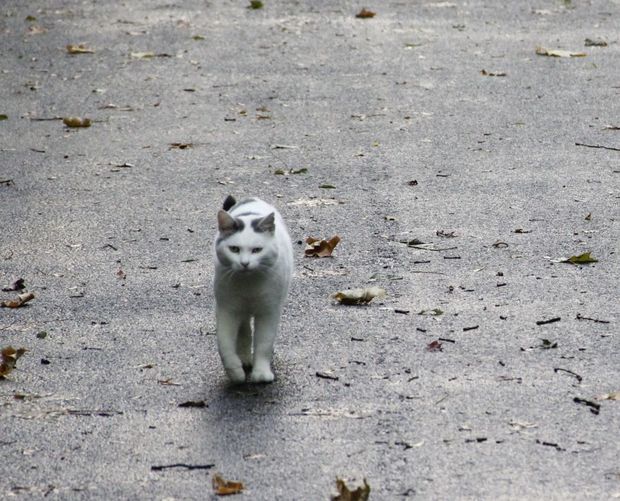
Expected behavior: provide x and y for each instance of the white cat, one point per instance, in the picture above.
(253, 268)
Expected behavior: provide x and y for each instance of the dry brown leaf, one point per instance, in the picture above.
(541, 51)
(21, 300)
(346, 494)
(79, 49)
(365, 14)
(76, 122)
(223, 487)
(8, 359)
(321, 248)
(359, 296)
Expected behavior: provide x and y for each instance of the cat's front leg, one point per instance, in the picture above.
(227, 326)
(265, 330)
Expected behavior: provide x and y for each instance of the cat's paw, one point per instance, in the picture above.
(236, 375)
(261, 375)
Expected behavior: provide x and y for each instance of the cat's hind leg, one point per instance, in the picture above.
(244, 344)
(227, 326)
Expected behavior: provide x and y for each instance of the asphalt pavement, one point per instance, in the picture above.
(467, 154)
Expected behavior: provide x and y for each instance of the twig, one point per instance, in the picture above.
(558, 369)
(598, 146)
(597, 320)
(549, 321)
(182, 465)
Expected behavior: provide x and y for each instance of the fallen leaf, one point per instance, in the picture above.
(21, 300)
(36, 30)
(75, 122)
(359, 296)
(584, 258)
(346, 494)
(167, 382)
(282, 172)
(548, 345)
(321, 248)
(521, 425)
(3, 117)
(223, 487)
(595, 42)
(434, 346)
(181, 146)
(143, 55)
(541, 51)
(198, 37)
(614, 395)
(327, 186)
(365, 14)
(255, 4)
(327, 375)
(194, 403)
(8, 359)
(435, 312)
(79, 49)
(16, 286)
(492, 73)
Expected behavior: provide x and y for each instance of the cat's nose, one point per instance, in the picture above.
(245, 264)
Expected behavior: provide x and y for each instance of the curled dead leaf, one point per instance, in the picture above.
(180, 146)
(321, 248)
(79, 49)
(359, 296)
(223, 487)
(75, 122)
(346, 494)
(614, 395)
(8, 359)
(542, 51)
(21, 300)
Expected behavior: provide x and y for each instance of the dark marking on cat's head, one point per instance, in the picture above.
(227, 225)
(265, 224)
(229, 202)
(249, 213)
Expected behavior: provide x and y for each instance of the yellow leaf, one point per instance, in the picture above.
(541, 51)
(359, 296)
(79, 49)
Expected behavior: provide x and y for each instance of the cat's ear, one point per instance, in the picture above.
(229, 202)
(226, 223)
(265, 224)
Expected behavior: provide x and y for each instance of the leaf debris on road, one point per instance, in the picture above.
(8, 359)
(345, 493)
(359, 296)
(222, 487)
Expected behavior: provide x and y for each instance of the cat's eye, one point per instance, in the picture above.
(234, 249)
(256, 250)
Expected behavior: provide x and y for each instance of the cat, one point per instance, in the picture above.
(253, 269)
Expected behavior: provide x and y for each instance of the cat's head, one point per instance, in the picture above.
(246, 243)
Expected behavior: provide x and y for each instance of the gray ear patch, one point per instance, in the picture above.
(265, 224)
(227, 224)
